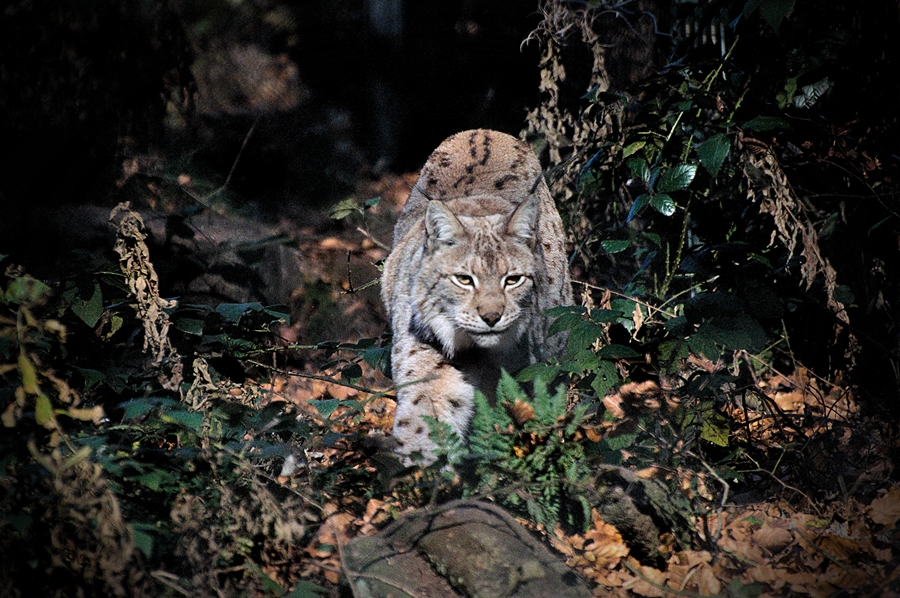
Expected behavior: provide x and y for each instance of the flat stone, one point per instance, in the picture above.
(463, 548)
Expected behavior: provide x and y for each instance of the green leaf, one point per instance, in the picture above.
(538, 370)
(25, 290)
(282, 313)
(654, 238)
(378, 357)
(632, 148)
(142, 540)
(639, 168)
(190, 326)
(605, 315)
(29, 374)
(713, 151)
(700, 344)
(810, 94)
(189, 420)
(737, 589)
(663, 204)
(676, 178)
(371, 203)
(76, 458)
(234, 311)
(138, 407)
(615, 245)
(774, 11)
(43, 411)
(152, 480)
(325, 407)
(352, 373)
(766, 123)
(638, 205)
(615, 351)
(735, 332)
(306, 589)
(714, 429)
(606, 377)
(90, 309)
(91, 377)
(842, 294)
(566, 321)
(555, 312)
(344, 208)
(582, 335)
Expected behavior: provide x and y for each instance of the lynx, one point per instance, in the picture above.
(478, 257)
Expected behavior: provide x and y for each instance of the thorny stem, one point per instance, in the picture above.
(672, 267)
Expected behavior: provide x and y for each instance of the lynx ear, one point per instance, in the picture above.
(441, 226)
(523, 222)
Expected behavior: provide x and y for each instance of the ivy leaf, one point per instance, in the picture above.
(638, 205)
(88, 310)
(663, 204)
(676, 178)
(713, 151)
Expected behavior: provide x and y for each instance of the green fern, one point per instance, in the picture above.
(536, 465)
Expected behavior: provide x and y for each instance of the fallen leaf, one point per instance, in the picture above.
(886, 510)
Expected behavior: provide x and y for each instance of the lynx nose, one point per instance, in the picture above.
(491, 318)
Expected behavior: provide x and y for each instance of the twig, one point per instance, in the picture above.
(168, 579)
(650, 308)
(374, 393)
(236, 160)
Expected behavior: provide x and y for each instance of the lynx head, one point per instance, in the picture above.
(476, 286)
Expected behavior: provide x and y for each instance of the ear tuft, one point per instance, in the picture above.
(523, 222)
(441, 226)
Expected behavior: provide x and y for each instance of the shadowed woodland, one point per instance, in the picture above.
(194, 360)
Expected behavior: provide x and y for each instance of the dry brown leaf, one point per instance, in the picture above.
(519, 411)
(886, 510)
(613, 404)
(648, 582)
(773, 539)
(707, 583)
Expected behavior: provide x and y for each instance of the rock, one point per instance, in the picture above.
(463, 548)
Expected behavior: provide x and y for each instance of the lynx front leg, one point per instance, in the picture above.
(427, 385)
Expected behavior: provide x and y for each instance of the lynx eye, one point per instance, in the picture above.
(463, 280)
(513, 281)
